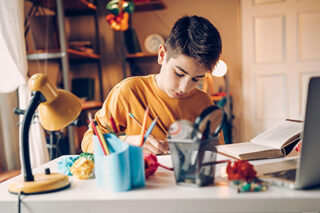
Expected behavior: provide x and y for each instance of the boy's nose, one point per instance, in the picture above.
(183, 86)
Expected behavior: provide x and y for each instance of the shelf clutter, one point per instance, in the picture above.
(134, 53)
(45, 20)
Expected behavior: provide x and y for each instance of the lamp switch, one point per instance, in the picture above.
(47, 171)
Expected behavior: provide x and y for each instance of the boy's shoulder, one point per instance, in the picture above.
(200, 92)
(132, 83)
(199, 96)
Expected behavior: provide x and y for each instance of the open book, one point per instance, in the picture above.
(275, 142)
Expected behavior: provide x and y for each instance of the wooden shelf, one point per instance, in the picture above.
(75, 54)
(149, 6)
(91, 105)
(55, 54)
(72, 7)
(141, 55)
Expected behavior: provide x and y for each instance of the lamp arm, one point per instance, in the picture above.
(228, 104)
(34, 103)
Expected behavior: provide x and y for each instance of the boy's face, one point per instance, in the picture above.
(179, 75)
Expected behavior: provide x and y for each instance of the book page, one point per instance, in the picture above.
(245, 149)
(279, 134)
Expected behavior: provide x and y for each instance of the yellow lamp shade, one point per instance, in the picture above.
(60, 112)
(60, 107)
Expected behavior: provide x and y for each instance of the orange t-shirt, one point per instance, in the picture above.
(133, 95)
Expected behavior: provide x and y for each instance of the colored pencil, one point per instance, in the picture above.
(148, 132)
(96, 133)
(134, 118)
(144, 124)
(113, 124)
(104, 142)
(214, 162)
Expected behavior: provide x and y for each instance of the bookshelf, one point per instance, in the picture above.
(67, 8)
(65, 55)
(140, 55)
(133, 58)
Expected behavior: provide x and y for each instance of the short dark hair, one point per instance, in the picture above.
(195, 37)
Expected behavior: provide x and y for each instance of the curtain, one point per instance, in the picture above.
(13, 78)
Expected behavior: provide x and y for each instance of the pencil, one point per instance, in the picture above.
(113, 124)
(96, 133)
(144, 124)
(214, 162)
(104, 142)
(150, 129)
(134, 118)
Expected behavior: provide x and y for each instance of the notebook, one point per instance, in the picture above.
(307, 172)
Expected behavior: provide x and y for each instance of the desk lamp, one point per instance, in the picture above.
(220, 70)
(56, 108)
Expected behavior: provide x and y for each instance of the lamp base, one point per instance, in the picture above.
(42, 183)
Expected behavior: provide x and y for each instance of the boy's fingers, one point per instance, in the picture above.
(149, 148)
(151, 145)
(162, 146)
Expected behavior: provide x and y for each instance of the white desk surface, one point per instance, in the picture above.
(161, 194)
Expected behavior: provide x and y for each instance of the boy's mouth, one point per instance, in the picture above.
(176, 94)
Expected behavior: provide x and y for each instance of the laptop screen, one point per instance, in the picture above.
(308, 173)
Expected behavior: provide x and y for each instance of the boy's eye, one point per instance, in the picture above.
(180, 75)
(197, 79)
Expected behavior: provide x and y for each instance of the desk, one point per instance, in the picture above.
(161, 195)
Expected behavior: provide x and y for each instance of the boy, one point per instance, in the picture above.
(192, 49)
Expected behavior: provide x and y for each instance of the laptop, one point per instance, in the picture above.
(307, 172)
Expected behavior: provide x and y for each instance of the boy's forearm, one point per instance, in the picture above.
(87, 143)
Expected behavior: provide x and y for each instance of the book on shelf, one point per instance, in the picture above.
(273, 143)
(83, 46)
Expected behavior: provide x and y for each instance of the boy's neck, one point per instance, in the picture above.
(157, 78)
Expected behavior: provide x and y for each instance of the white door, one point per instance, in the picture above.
(281, 51)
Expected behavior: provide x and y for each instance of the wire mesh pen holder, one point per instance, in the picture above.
(194, 160)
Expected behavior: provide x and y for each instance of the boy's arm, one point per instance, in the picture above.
(87, 144)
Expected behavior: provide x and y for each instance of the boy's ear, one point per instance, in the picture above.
(161, 53)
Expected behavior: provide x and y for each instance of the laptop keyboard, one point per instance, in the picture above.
(287, 174)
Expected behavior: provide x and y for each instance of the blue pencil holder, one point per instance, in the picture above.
(136, 166)
(122, 169)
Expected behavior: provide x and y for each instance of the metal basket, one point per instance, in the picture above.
(194, 160)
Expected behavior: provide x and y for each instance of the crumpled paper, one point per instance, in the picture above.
(82, 168)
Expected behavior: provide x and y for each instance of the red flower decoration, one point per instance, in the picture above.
(298, 146)
(240, 170)
(151, 164)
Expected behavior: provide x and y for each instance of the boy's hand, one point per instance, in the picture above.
(151, 145)
(154, 146)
